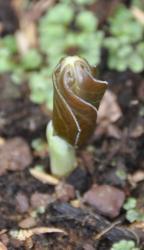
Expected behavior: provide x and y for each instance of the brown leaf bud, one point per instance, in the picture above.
(77, 95)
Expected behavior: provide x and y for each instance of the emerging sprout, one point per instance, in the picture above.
(77, 95)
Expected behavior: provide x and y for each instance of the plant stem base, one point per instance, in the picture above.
(62, 154)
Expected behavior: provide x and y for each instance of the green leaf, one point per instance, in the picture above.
(38, 144)
(124, 24)
(9, 42)
(124, 245)
(60, 14)
(31, 60)
(17, 75)
(41, 88)
(52, 31)
(82, 2)
(111, 43)
(93, 56)
(121, 173)
(86, 21)
(138, 3)
(130, 203)
(91, 41)
(124, 52)
(132, 215)
(52, 39)
(121, 65)
(6, 63)
(136, 63)
(140, 49)
(114, 62)
(71, 40)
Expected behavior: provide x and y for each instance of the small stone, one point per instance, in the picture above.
(106, 199)
(27, 223)
(4, 238)
(22, 203)
(2, 246)
(17, 244)
(40, 200)
(39, 246)
(15, 155)
(65, 192)
(88, 247)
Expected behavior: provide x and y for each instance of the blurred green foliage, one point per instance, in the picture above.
(138, 3)
(125, 245)
(133, 213)
(8, 48)
(73, 33)
(39, 145)
(68, 28)
(125, 44)
(41, 87)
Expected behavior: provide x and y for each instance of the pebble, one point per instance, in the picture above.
(22, 203)
(106, 199)
(15, 155)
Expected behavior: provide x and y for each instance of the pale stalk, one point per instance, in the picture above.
(62, 154)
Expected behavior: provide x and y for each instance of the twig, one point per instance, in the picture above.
(37, 10)
(138, 14)
(97, 223)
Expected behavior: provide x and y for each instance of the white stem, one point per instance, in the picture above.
(62, 154)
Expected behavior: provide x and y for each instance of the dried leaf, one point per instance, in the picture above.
(2, 141)
(22, 234)
(43, 177)
(3, 231)
(136, 177)
(42, 230)
(139, 225)
(2, 246)
(109, 110)
(17, 4)
(138, 14)
(37, 9)
(26, 37)
(76, 203)
(137, 131)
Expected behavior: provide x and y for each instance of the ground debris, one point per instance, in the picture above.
(20, 117)
(2, 246)
(138, 14)
(136, 177)
(28, 222)
(8, 18)
(65, 192)
(41, 200)
(93, 221)
(88, 247)
(22, 203)
(109, 110)
(15, 155)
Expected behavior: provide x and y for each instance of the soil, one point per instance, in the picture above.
(116, 146)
